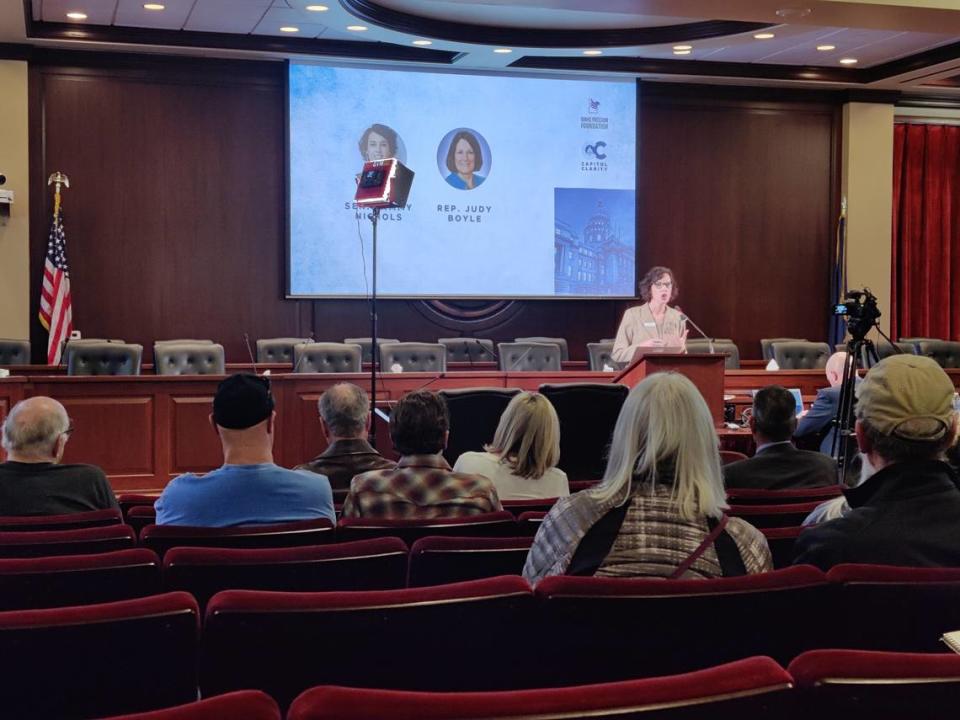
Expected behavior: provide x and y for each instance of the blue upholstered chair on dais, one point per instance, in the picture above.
(103, 358)
(327, 358)
(14, 352)
(413, 357)
(468, 349)
(529, 356)
(278, 350)
(558, 341)
(188, 359)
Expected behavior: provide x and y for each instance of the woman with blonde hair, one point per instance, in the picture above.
(659, 511)
(521, 461)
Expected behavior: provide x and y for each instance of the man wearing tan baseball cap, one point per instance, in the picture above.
(908, 511)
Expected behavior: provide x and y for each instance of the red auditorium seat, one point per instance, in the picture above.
(439, 560)
(877, 685)
(781, 541)
(78, 579)
(731, 456)
(755, 687)
(517, 507)
(495, 524)
(378, 564)
(70, 521)
(770, 516)
(448, 637)
(242, 705)
(126, 501)
(140, 516)
(161, 538)
(578, 485)
(753, 496)
(529, 522)
(40, 543)
(617, 629)
(98, 660)
(895, 608)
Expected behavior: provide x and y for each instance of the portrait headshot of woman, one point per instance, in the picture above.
(380, 142)
(465, 157)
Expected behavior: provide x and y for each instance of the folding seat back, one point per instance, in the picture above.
(770, 516)
(752, 688)
(140, 516)
(474, 416)
(449, 637)
(131, 500)
(781, 541)
(42, 543)
(161, 538)
(864, 684)
(439, 560)
(731, 456)
(240, 705)
(495, 524)
(63, 580)
(528, 523)
(751, 496)
(615, 629)
(379, 564)
(518, 507)
(69, 521)
(99, 660)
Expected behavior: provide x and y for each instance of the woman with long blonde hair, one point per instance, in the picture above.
(659, 510)
(522, 459)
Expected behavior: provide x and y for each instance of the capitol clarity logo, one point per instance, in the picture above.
(594, 155)
(596, 150)
(593, 120)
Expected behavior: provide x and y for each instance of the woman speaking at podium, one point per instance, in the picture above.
(653, 324)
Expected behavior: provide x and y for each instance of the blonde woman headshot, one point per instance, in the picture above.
(522, 459)
(659, 510)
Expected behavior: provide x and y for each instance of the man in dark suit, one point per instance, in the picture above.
(824, 409)
(777, 464)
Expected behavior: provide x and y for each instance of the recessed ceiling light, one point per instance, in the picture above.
(502, 51)
(356, 28)
(826, 48)
(683, 47)
(593, 52)
(681, 52)
(317, 8)
(423, 42)
(77, 15)
(154, 6)
(289, 29)
(764, 36)
(795, 13)
(848, 61)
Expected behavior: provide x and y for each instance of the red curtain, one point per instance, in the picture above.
(926, 232)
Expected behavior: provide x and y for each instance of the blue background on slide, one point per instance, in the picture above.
(497, 239)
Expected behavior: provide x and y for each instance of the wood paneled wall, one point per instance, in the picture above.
(176, 218)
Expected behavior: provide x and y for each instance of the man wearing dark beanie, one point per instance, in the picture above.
(249, 488)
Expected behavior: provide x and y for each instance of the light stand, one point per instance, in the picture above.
(374, 349)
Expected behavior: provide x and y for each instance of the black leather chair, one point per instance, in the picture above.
(181, 341)
(915, 341)
(14, 352)
(588, 413)
(885, 350)
(278, 350)
(103, 358)
(600, 354)
(413, 357)
(766, 345)
(366, 344)
(529, 356)
(559, 342)
(468, 349)
(801, 355)
(720, 345)
(327, 358)
(474, 416)
(188, 359)
(945, 353)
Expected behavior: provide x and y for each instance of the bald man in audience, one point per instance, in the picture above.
(32, 480)
(824, 409)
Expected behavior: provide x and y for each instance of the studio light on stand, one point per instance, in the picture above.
(381, 184)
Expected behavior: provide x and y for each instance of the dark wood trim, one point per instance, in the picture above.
(911, 63)
(227, 41)
(930, 101)
(376, 14)
(652, 91)
(15, 51)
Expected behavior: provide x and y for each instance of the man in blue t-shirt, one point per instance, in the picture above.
(249, 488)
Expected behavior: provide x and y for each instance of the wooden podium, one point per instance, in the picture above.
(706, 371)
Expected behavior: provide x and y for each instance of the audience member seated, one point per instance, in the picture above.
(423, 485)
(824, 409)
(32, 481)
(907, 509)
(659, 510)
(345, 420)
(777, 464)
(249, 488)
(522, 459)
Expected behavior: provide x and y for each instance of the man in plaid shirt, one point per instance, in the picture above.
(422, 485)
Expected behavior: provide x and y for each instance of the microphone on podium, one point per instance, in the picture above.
(686, 318)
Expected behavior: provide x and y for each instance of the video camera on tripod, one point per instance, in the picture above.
(860, 309)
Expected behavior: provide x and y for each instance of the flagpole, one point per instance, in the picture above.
(56, 314)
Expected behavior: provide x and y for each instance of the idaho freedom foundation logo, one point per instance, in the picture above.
(593, 120)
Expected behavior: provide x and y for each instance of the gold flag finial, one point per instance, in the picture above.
(57, 179)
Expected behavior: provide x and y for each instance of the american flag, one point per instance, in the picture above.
(56, 312)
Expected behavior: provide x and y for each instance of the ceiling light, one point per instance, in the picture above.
(502, 51)
(423, 42)
(764, 36)
(795, 13)
(593, 52)
(356, 28)
(826, 48)
(154, 6)
(681, 52)
(683, 47)
(77, 15)
(317, 8)
(289, 29)
(848, 61)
